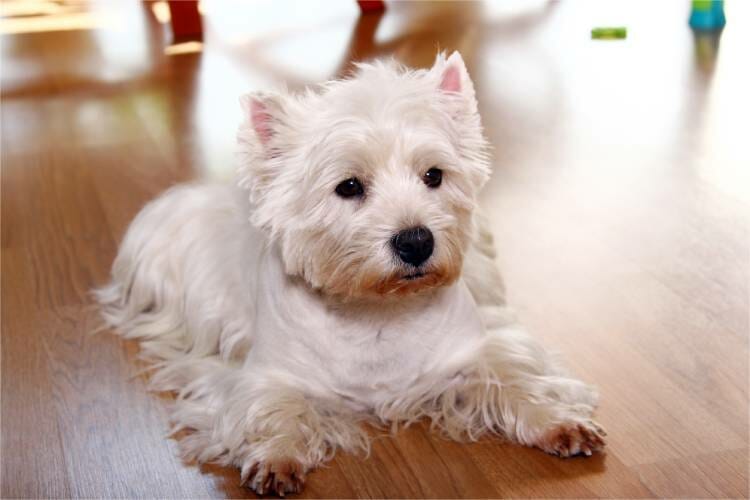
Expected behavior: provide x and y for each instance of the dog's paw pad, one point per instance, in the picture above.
(275, 477)
(573, 438)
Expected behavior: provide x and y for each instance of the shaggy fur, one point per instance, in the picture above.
(280, 314)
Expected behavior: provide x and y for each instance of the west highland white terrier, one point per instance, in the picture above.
(346, 278)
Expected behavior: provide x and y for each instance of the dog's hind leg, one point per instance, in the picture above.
(182, 280)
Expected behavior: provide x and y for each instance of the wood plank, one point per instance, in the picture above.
(57, 221)
(529, 473)
(597, 309)
(33, 463)
(112, 430)
(714, 475)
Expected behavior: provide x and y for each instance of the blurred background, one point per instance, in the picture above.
(619, 202)
(535, 66)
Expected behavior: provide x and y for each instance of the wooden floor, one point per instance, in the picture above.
(619, 202)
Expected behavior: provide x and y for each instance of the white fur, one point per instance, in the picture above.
(282, 318)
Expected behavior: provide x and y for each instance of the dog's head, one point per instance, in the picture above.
(368, 184)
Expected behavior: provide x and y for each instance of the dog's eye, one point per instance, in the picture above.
(433, 177)
(350, 188)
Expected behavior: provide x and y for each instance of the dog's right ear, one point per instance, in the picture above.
(264, 113)
(263, 138)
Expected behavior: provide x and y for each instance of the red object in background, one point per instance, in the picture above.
(186, 20)
(371, 5)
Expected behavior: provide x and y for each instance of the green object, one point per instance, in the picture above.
(609, 33)
(702, 4)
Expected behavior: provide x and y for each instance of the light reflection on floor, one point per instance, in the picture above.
(592, 102)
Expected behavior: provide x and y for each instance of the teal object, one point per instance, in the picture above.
(707, 15)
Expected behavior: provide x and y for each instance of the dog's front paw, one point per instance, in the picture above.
(276, 477)
(573, 438)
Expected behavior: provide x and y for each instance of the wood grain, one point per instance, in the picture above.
(619, 203)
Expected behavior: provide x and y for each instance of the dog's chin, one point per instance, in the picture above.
(414, 282)
(416, 275)
(399, 283)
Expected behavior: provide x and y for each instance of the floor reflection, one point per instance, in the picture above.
(538, 75)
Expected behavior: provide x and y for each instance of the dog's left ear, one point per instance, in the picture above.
(452, 76)
(456, 90)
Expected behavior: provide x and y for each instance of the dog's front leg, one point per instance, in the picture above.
(514, 387)
(541, 405)
(271, 429)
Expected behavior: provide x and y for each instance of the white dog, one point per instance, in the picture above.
(346, 279)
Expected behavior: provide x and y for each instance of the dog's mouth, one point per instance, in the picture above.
(414, 280)
(414, 276)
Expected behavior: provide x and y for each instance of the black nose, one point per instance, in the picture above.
(413, 245)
